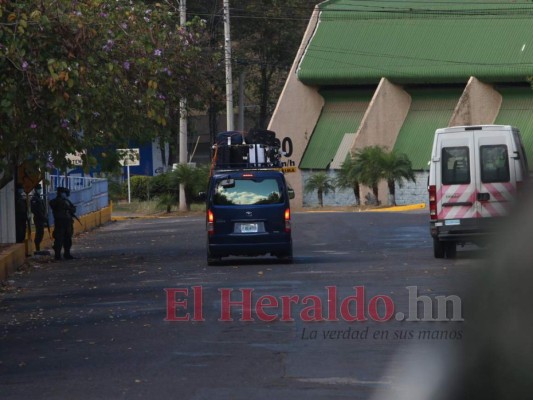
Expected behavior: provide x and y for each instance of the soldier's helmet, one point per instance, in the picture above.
(61, 189)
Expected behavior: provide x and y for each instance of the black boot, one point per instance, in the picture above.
(69, 256)
(57, 252)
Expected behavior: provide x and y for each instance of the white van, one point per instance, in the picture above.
(474, 177)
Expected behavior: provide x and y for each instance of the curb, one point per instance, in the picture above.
(409, 207)
(11, 258)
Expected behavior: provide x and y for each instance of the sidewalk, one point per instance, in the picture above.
(12, 256)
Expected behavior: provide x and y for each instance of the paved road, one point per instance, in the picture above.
(95, 328)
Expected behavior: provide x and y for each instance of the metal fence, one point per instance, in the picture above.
(87, 194)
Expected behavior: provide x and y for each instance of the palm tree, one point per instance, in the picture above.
(320, 182)
(396, 168)
(369, 161)
(347, 177)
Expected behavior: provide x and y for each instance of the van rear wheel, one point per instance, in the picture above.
(286, 258)
(451, 250)
(438, 248)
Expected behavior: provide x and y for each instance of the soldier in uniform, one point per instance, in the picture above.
(21, 215)
(38, 209)
(64, 212)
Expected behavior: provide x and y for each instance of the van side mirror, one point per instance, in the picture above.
(290, 191)
(227, 183)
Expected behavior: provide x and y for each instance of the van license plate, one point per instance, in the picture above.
(249, 228)
(451, 222)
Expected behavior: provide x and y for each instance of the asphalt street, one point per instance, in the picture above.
(99, 327)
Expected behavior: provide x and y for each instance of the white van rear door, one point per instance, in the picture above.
(496, 189)
(456, 180)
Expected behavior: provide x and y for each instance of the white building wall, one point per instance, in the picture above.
(410, 192)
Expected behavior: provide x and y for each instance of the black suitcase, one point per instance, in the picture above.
(228, 138)
(261, 136)
(239, 156)
(223, 156)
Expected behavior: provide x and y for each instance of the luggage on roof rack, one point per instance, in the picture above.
(260, 149)
(262, 136)
(229, 138)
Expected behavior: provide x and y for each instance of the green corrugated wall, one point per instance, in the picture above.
(342, 113)
(430, 109)
(517, 110)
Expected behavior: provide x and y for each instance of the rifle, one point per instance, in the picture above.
(48, 228)
(76, 218)
(72, 212)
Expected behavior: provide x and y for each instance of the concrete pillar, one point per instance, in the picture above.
(479, 105)
(384, 117)
(381, 124)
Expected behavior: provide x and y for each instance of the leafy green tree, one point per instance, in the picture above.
(396, 168)
(266, 36)
(347, 177)
(322, 183)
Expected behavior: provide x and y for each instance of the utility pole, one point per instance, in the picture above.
(241, 101)
(183, 118)
(229, 79)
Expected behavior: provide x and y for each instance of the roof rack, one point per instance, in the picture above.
(245, 169)
(233, 151)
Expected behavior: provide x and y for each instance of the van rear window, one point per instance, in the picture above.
(455, 165)
(494, 163)
(248, 192)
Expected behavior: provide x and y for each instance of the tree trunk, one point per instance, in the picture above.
(320, 198)
(392, 192)
(356, 193)
(375, 192)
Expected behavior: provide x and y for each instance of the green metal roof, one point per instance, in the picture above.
(430, 109)
(358, 42)
(342, 113)
(517, 110)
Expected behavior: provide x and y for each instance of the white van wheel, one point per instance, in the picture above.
(451, 250)
(438, 248)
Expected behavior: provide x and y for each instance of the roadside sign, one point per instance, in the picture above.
(75, 159)
(29, 176)
(129, 157)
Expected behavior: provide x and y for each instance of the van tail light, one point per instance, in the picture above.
(287, 217)
(432, 189)
(210, 222)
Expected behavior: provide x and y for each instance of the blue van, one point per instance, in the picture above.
(248, 214)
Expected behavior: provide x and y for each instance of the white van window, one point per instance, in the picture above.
(248, 192)
(494, 163)
(455, 165)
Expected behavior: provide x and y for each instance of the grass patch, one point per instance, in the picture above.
(151, 207)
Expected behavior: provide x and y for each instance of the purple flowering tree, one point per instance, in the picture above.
(76, 75)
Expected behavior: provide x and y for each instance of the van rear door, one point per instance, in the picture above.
(249, 205)
(456, 181)
(496, 189)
